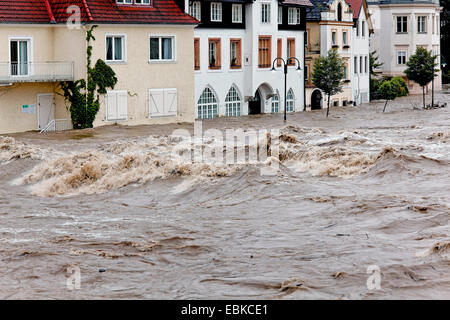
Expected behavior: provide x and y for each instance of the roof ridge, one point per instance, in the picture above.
(88, 12)
(49, 11)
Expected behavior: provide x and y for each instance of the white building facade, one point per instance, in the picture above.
(235, 46)
(400, 26)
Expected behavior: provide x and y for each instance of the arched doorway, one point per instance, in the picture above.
(254, 105)
(316, 100)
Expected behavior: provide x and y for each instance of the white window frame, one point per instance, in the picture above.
(333, 38)
(236, 9)
(422, 24)
(174, 48)
(30, 54)
(128, 2)
(280, 14)
(293, 16)
(124, 47)
(265, 12)
(195, 10)
(275, 103)
(398, 56)
(401, 24)
(290, 103)
(216, 11)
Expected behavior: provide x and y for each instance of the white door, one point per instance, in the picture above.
(46, 110)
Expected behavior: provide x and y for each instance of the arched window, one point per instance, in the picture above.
(275, 103)
(290, 101)
(339, 12)
(232, 103)
(207, 105)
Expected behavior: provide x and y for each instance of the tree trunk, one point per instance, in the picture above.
(423, 95)
(328, 109)
(385, 105)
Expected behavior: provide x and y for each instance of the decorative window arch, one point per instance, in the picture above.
(290, 101)
(275, 101)
(233, 103)
(207, 105)
(339, 12)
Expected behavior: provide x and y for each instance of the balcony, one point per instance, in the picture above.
(36, 71)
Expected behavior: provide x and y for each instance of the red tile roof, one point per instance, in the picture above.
(355, 5)
(94, 11)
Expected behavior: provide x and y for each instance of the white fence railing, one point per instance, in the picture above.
(36, 71)
(57, 125)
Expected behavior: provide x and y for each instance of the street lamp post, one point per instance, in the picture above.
(285, 69)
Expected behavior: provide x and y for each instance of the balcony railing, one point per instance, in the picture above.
(36, 71)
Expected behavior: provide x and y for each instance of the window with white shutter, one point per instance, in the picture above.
(163, 102)
(117, 105)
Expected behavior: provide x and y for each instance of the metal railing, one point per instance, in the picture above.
(36, 71)
(57, 125)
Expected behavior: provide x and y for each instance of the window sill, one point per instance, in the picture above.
(401, 33)
(334, 46)
(236, 67)
(215, 68)
(162, 61)
(422, 32)
(346, 46)
(115, 62)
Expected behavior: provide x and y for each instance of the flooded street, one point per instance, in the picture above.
(361, 188)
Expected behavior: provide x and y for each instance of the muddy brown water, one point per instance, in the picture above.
(360, 188)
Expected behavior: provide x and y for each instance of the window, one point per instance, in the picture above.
(293, 16)
(345, 72)
(290, 101)
(196, 54)
(366, 64)
(357, 28)
(280, 15)
(279, 51)
(264, 50)
(162, 48)
(195, 10)
(116, 105)
(139, 2)
(339, 12)
(214, 49)
(355, 65)
(422, 24)
(360, 64)
(115, 46)
(235, 53)
(265, 12)
(333, 38)
(433, 25)
(236, 13)
(336, 103)
(207, 105)
(216, 11)
(401, 57)
(163, 102)
(275, 103)
(344, 103)
(363, 29)
(290, 51)
(19, 57)
(232, 103)
(306, 38)
(402, 24)
(306, 73)
(344, 38)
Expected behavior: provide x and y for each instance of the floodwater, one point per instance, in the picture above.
(361, 189)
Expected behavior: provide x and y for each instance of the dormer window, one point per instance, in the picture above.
(293, 16)
(216, 11)
(136, 2)
(195, 10)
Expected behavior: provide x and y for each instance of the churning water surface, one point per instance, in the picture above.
(358, 189)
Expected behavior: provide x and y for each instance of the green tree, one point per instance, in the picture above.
(83, 95)
(421, 68)
(389, 90)
(374, 63)
(328, 74)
